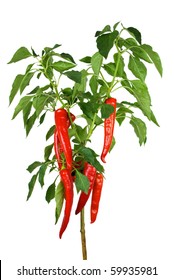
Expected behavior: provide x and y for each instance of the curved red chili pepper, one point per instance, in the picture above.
(90, 172)
(61, 118)
(109, 128)
(96, 194)
(57, 147)
(69, 194)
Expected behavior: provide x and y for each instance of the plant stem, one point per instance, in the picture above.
(83, 236)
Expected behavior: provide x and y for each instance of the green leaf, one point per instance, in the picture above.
(112, 144)
(90, 156)
(59, 197)
(33, 166)
(137, 68)
(47, 152)
(153, 119)
(107, 28)
(120, 61)
(21, 105)
(140, 53)
(96, 62)
(26, 112)
(82, 132)
(89, 108)
(133, 31)
(140, 92)
(110, 68)
(39, 103)
(50, 132)
(15, 87)
(105, 42)
(68, 57)
(62, 66)
(86, 59)
(93, 83)
(82, 182)
(42, 118)
(42, 171)
(30, 122)
(48, 49)
(106, 110)
(139, 128)
(50, 194)
(31, 185)
(115, 25)
(20, 54)
(76, 76)
(154, 57)
(26, 81)
(121, 114)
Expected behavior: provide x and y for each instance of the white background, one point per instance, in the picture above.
(135, 222)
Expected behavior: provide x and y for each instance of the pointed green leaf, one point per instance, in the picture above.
(33, 166)
(106, 110)
(31, 185)
(86, 59)
(68, 57)
(50, 132)
(48, 49)
(42, 171)
(139, 128)
(137, 68)
(154, 57)
(30, 122)
(50, 194)
(62, 66)
(105, 42)
(93, 83)
(120, 68)
(76, 76)
(26, 81)
(115, 25)
(113, 143)
(82, 182)
(140, 91)
(39, 103)
(133, 31)
(47, 152)
(26, 112)
(90, 156)
(59, 198)
(107, 28)
(22, 104)
(96, 62)
(15, 87)
(20, 54)
(42, 118)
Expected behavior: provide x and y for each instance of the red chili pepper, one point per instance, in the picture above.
(66, 178)
(109, 128)
(61, 119)
(90, 172)
(57, 146)
(96, 194)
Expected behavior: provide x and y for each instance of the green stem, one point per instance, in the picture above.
(83, 236)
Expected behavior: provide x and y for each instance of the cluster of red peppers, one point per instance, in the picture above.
(63, 152)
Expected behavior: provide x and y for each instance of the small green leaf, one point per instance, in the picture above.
(120, 61)
(47, 152)
(26, 81)
(42, 171)
(96, 62)
(42, 118)
(39, 103)
(33, 166)
(133, 31)
(86, 59)
(21, 105)
(113, 143)
(82, 132)
(154, 57)
(137, 68)
(68, 57)
(139, 128)
(31, 185)
(82, 182)
(139, 52)
(90, 156)
(50, 194)
(26, 112)
(106, 110)
(20, 54)
(153, 119)
(140, 92)
(105, 42)
(30, 122)
(59, 197)
(48, 49)
(15, 87)
(89, 108)
(93, 83)
(76, 76)
(62, 66)
(107, 28)
(50, 132)
(110, 68)
(115, 25)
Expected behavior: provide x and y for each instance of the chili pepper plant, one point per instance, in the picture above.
(93, 88)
